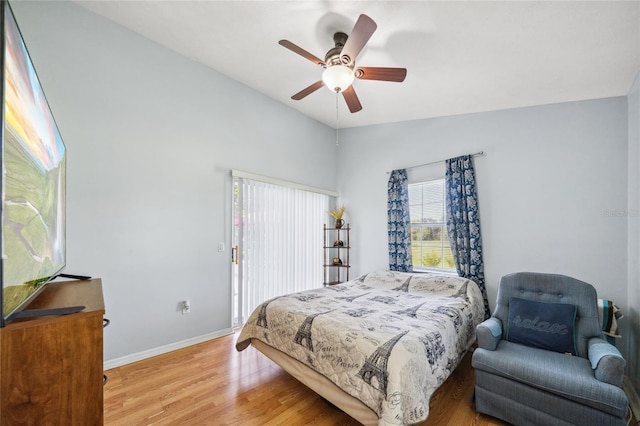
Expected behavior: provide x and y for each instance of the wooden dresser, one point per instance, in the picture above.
(51, 368)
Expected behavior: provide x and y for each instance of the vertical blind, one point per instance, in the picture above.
(278, 230)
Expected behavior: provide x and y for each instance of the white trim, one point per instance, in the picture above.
(634, 399)
(281, 182)
(128, 359)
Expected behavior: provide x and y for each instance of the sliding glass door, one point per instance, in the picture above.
(277, 233)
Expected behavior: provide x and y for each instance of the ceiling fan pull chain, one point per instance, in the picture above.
(337, 92)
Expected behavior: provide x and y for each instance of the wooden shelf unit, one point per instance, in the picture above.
(336, 273)
(51, 368)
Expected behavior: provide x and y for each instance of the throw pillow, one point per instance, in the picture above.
(543, 325)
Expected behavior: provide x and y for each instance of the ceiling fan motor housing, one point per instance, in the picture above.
(333, 55)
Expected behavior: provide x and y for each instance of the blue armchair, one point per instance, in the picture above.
(525, 378)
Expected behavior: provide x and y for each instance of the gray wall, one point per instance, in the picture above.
(151, 138)
(552, 188)
(632, 316)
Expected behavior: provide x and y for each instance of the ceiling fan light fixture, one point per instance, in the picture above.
(338, 77)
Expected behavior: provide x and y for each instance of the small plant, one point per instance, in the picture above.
(337, 213)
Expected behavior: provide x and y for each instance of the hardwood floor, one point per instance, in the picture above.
(213, 384)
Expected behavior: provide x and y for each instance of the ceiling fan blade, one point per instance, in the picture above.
(381, 73)
(352, 99)
(300, 51)
(360, 35)
(309, 90)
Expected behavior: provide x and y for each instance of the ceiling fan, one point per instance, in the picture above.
(340, 67)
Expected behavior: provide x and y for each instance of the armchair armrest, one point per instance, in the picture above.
(489, 333)
(606, 361)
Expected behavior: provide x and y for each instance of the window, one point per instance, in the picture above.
(430, 247)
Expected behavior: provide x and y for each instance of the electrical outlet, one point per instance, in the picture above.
(186, 307)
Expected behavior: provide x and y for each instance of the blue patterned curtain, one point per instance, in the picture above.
(399, 224)
(463, 222)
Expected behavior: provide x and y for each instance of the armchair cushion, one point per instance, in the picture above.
(569, 377)
(606, 361)
(544, 325)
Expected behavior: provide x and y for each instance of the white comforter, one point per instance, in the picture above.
(389, 339)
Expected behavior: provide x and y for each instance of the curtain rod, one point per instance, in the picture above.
(479, 153)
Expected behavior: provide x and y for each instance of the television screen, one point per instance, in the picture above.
(33, 178)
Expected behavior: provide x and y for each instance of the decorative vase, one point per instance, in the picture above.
(339, 223)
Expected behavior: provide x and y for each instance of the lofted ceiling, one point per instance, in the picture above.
(461, 56)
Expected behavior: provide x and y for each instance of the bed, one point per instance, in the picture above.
(378, 346)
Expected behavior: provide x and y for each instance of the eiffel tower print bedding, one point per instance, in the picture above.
(389, 339)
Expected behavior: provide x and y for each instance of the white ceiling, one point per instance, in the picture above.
(461, 56)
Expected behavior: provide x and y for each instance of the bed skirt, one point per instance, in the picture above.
(319, 384)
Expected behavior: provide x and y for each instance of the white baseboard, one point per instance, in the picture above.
(634, 399)
(128, 359)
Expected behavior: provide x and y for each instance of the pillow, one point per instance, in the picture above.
(542, 325)
(417, 282)
(439, 285)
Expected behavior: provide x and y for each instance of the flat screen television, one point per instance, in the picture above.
(33, 179)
